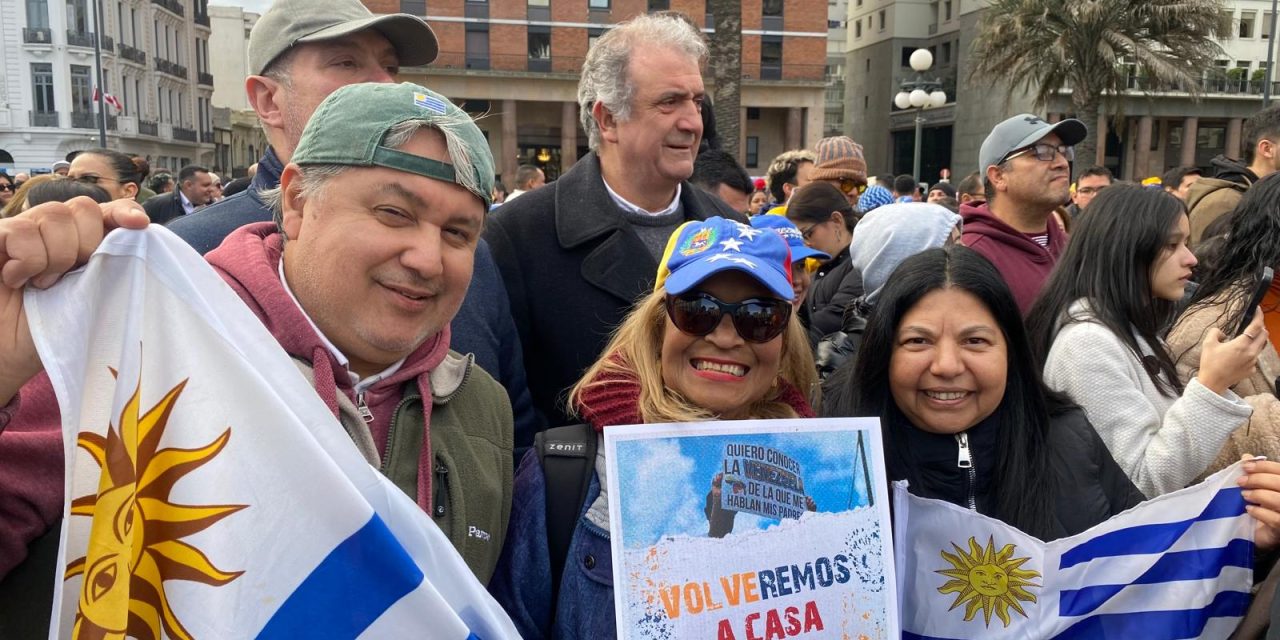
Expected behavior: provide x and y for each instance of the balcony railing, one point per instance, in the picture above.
(108, 44)
(84, 120)
(202, 19)
(171, 68)
(37, 36)
(1215, 84)
(205, 79)
(44, 118)
(131, 54)
(172, 5)
(185, 135)
(206, 137)
(79, 39)
(148, 128)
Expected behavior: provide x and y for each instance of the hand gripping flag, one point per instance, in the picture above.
(211, 494)
(1177, 566)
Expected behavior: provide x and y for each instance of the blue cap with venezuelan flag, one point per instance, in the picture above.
(700, 249)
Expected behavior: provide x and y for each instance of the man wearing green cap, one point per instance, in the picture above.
(379, 215)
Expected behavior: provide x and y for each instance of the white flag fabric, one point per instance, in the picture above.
(211, 494)
(1177, 566)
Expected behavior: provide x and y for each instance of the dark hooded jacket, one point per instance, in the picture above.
(1022, 263)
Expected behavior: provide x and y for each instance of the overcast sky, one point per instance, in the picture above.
(256, 6)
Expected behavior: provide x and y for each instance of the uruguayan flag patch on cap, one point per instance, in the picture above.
(427, 102)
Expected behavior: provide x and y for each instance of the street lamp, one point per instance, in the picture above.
(920, 94)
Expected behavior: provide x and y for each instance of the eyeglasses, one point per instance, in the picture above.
(756, 320)
(1044, 152)
(806, 232)
(849, 185)
(1090, 190)
(92, 179)
(5, 186)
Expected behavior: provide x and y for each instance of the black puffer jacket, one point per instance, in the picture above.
(835, 285)
(1090, 486)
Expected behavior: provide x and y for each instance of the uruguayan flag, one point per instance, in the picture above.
(1177, 566)
(211, 494)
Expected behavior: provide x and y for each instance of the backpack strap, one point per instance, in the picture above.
(568, 456)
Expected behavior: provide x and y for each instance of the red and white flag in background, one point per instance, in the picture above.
(109, 99)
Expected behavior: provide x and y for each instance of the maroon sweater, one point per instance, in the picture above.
(1022, 263)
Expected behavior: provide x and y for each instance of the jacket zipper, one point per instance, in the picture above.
(363, 409)
(965, 461)
(391, 433)
(438, 495)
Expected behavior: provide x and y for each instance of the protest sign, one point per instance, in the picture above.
(751, 530)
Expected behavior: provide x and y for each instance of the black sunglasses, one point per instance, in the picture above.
(756, 320)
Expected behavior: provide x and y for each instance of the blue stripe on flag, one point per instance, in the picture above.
(1152, 538)
(907, 635)
(1198, 564)
(358, 581)
(1159, 625)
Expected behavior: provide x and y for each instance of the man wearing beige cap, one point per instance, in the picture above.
(841, 163)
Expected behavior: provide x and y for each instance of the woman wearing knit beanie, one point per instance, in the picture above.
(715, 340)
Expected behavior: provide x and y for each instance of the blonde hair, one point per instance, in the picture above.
(18, 203)
(635, 350)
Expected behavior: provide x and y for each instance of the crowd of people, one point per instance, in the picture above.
(1079, 347)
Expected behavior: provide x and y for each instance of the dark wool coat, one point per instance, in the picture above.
(573, 267)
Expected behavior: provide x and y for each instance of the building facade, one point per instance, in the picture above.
(837, 14)
(155, 62)
(242, 141)
(1149, 139)
(516, 64)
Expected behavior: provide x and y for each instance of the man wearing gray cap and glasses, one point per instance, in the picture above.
(1025, 163)
(301, 51)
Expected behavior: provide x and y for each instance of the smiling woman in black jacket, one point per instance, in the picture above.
(946, 366)
(826, 220)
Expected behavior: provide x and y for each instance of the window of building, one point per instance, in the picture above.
(120, 21)
(593, 34)
(42, 87)
(859, 3)
(81, 88)
(540, 3)
(1211, 137)
(77, 16)
(868, 69)
(882, 19)
(946, 52)
(1247, 19)
(414, 7)
(597, 4)
(857, 28)
(753, 152)
(753, 113)
(137, 94)
(477, 46)
(946, 9)
(659, 5)
(866, 102)
(539, 48)
(906, 56)
(770, 57)
(37, 14)
(772, 8)
(1267, 18)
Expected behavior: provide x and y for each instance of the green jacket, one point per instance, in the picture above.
(471, 442)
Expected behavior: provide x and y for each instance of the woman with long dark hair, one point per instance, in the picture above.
(1224, 290)
(945, 365)
(1096, 329)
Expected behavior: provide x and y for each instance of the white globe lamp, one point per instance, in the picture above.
(921, 60)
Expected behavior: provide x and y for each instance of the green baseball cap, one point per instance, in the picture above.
(289, 22)
(349, 126)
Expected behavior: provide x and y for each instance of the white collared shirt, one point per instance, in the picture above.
(635, 208)
(360, 384)
(188, 208)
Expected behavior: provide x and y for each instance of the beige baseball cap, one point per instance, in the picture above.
(289, 22)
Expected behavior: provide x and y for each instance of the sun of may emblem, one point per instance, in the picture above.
(986, 579)
(135, 538)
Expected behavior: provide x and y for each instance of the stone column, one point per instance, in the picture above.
(742, 135)
(510, 144)
(795, 129)
(568, 135)
(1100, 156)
(1190, 129)
(1142, 166)
(1233, 139)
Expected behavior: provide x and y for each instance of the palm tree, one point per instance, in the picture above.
(725, 64)
(1093, 46)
